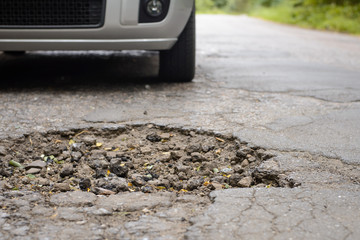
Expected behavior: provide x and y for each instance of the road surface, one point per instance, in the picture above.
(292, 91)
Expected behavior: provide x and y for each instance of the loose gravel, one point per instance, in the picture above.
(145, 158)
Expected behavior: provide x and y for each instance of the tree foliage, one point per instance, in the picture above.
(242, 5)
(335, 15)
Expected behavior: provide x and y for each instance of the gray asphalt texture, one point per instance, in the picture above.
(286, 89)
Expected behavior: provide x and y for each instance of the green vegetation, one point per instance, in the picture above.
(333, 15)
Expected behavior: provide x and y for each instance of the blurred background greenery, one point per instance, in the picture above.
(333, 15)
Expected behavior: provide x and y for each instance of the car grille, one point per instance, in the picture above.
(51, 13)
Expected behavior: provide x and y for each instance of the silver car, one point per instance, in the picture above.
(164, 25)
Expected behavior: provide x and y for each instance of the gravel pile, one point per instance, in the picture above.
(144, 158)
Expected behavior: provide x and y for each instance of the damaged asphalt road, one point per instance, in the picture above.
(289, 92)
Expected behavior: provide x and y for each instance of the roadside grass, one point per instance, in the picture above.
(344, 19)
(339, 18)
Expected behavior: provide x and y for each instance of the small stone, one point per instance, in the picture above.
(172, 178)
(182, 168)
(177, 154)
(85, 184)
(138, 180)
(147, 189)
(25, 180)
(62, 187)
(77, 146)
(206, 148)
(227, 170)
(216, 185)
(164, 183)
(65, 154)
(145, 150)
(193, 148)
(99, 164)
(209, 156)
(234, 179)
(178, 185)
(197, 157)
(245, 163)
(36, 164)
(89, 140)
(165, 157)
(185, 158)
(67, 170)
(251, 158)
(245, 182)
(238, 169)
(76, 155)
(5, 172)
(43, 181)
(103, 191)
(148, 177)
(115, 184)
(182, 176)
(5, 185)
(33, 171)
(246, 150)
(194, 183)
(165, 136)
(97, 155)
(241, 154)
(2, 151)
(116, 167)
(101, 173)
(111, 155)
(153, 137)
(219, 179)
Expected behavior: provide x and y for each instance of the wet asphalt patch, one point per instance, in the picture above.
(145, 158)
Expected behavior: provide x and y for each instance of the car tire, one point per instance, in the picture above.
(14, 53)
(178, 63)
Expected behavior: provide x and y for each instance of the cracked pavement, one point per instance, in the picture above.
(293, 91)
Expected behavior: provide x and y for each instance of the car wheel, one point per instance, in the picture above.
(178, 63)
(14, 53)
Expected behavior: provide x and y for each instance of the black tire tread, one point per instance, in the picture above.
(178, 63)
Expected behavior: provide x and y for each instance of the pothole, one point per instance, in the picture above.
(144, 158)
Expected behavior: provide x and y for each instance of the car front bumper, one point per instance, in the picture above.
(120, 31)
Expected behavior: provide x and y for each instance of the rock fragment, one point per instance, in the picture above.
(197, 157)
(165, 136)
(115, 184)
(194, 183)
(62, 187)
(67, 170)
(36, 164)
(118, 168)
(2, 151)
(245, 163)
(85, 184)
(245, 182)
(33, 171)
(153, 137)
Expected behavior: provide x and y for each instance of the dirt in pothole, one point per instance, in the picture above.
(144, 158)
